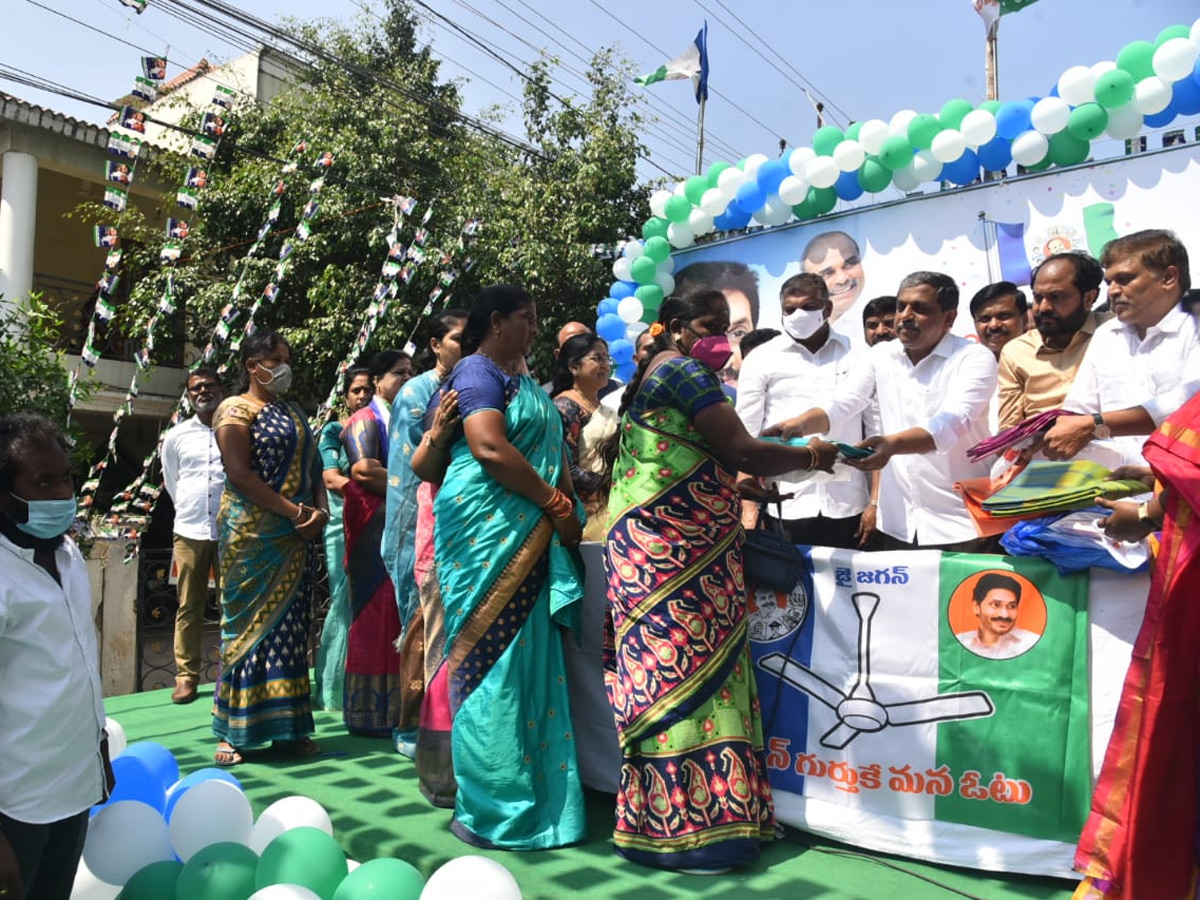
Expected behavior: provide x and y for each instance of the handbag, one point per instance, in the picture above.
(769, 560)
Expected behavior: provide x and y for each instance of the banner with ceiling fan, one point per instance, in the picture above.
(938, 706)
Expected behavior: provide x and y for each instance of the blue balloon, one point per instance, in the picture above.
(1159, 119)
(1185, 94)
(135, 782)
(610, 327)
(847, 186)
(963, 170)
(189, 781)
(623, 289)
(1054, 90)
(626, 372)
(770, 175)
(732, 219)
(750, 198)
(996, 154)
(158, 759)
(607, 306)
(621, 350)
(1013, 118)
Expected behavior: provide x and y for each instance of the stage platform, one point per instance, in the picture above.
(371, 793)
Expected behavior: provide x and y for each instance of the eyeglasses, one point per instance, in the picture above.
(603, 360)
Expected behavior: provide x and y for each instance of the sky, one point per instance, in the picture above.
(862, 58)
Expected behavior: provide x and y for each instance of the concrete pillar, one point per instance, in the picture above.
(18, 218)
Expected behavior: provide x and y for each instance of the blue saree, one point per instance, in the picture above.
(506, 582)
(330, 667)
(264, 690)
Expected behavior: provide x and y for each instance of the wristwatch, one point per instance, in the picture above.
(1101, 432)
(1144, 517)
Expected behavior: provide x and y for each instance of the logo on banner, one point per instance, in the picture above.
(776, 614)
(1056, 239)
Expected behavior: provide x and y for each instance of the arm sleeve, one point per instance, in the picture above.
(329, 444)
(170, 464)
(971, 386)
(361, 437)
(752, 395)
(1084, 395)
(585, 482)
(1012, 391)
(693, 386)
(480, 386)
(234, 411)
(1162, 405)
(855, 395)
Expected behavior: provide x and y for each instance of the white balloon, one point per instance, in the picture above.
(680, 189)
(906, 179)
(286, 892)
(630, 309)
(1105, 65)
(1152, 95)
(898, 124)
(1030, 148)
(774, 211)
(666, 281)
(1124, 122)
(622, 268)
(632, 250)
(285, 814)
(116, 737)
(872, 135)
(352, 864)
(208, 813)
(925, 167)
(88, 887)
(849, 155)
(713, 202)
(124, 837)
(1175, 59)
(632, 330)
(753, 161)
(667, 265)
(822, 172)
(730, 180)
(798, 160)
(658, 203)
(948, 145)
(793, 189)
(1077, 85)
(699, 221)
(978, 127)
(472, 876)
(1050, 115)
(679, 235)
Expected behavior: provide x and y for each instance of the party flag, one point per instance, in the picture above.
(1098, 226)
(170, 252)
(154, 67)
(991, 11)
(123, 144)
(106, 235)
(118, 172)
(177, 228)
(691, 63)
(133, 118)
(139, 6)
(144, 89)
(187, 197)
(223, 97)
(115, 198)
(1010, 245)
(204, 147)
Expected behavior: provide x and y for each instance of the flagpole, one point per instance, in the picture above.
(993, 79)
(700, 140)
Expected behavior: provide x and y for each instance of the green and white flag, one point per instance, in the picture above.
(991, 11)
(691, 63)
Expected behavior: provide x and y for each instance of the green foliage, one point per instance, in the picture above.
(33, 375)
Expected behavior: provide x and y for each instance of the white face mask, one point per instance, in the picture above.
(802, 324)
(278, 380)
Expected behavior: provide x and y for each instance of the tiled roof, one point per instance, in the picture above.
(14, 109)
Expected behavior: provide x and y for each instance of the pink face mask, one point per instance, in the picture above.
(714, 351)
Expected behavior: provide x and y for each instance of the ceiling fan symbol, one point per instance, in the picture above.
(858, 710)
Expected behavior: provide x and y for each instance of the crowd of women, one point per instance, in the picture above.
(452, 506)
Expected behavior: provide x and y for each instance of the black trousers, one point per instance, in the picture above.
(820, 531)
(975, 545)
(47, 855)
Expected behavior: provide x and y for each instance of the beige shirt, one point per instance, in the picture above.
(1033, 378)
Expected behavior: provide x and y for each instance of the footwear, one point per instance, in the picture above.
(719, 870)
(227, 755)
(185, 691)
(301, 749)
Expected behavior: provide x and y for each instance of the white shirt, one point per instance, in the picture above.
(1159, 373)
(1007, 646)
(782, 379)
(51, 711)
(194, 477)
(947, 393)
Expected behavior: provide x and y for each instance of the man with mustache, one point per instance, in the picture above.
(1141, 366)
(997, 600)
(998, 311)
(835, 256)
(1038, 367)
(195, 478)
(879, 320)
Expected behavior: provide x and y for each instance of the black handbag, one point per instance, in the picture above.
(769, 560)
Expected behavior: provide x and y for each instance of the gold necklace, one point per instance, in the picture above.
(585, 404)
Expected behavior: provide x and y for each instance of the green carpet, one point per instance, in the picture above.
(372, 795)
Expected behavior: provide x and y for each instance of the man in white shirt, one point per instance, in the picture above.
(997, 600)
(52, 736)
(789, 374)
(194, 477)
(1141, 366)
(933, 389)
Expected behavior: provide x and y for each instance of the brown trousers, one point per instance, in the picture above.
(195, 559)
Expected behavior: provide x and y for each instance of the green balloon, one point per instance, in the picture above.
(817, 202)
(1067, 150)
(1040, 166)
(874, 177)
(991, 105)
(1136, 58)
(922, 130)
(154, 882)
(381, 879)
(305, 856)
(1114, 88)
(655, 227)
(953, 112)
(657, 248)
(694, 189)
(826, 138)
(1172, 31)
(650, 295)
(714, 171)
(678, 208)
(644, 269)
(223, 871)
(1087, 121)
(649, 314)
(853, 130)
(896, 153)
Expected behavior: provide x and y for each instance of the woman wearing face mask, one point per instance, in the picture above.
(581, 371)
(274, 503)
(372, 696)
(331, 656)
(689, 725)
(423, 637)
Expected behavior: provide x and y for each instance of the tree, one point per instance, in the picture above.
(33, 375)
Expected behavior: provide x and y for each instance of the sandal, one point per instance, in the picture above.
(227, 755)
(302, 748)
